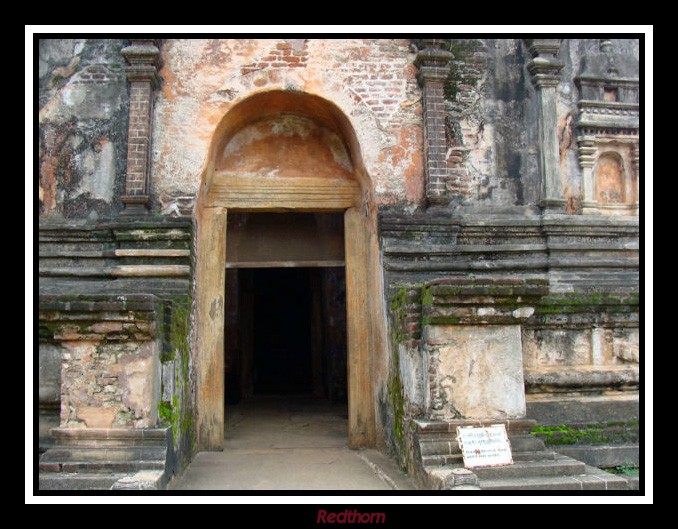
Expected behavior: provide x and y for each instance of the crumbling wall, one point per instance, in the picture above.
(372, 81)
(491, 121)
(83, 127)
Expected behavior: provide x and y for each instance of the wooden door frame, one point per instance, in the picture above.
(284, 194)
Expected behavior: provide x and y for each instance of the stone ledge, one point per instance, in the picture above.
(512, 425)
(603, 456)
(556, 410)
(582, 378)
(97, 317)
(71, 435)
(116, 271)
(162, 222)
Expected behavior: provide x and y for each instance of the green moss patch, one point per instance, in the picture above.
(625, 470)
(590, 434)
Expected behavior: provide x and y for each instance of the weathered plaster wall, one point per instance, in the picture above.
(491, 129)
(488, 125)
(491, 122)
(83, 127)
(372, 82)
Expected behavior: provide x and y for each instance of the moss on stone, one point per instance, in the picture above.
(169, 414)
(625, 470)
(398, 314)
(609, 433)
(442, 320)
(456, 77)
(178, 413)
(426, 296)
(396, 401)
(578, 299)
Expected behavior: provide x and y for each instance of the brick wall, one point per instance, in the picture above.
(463, 125)
(139, 115)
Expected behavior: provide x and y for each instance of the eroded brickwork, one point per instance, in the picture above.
(372, 82)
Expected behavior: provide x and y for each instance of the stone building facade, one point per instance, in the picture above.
(462, 216)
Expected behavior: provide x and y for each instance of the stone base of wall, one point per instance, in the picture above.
(556, 409)
(109, 459)
(114, 311)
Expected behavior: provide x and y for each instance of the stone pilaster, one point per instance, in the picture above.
(587, 159)
(433, 63)
(636, 171)
(142, 74)
(544, 70)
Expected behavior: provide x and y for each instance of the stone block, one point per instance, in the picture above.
(604, 456)
(49, 374)
(479, 372)
(557, 410)
(96, 417)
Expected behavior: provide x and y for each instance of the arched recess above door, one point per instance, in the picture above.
(281, 150)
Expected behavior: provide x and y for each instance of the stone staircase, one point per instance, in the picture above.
(534, 467)
(108, 459)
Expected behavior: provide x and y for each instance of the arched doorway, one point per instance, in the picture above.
(284, 151)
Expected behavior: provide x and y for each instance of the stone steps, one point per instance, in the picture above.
(86, 466)
(535, 467)
(95, 459)
(591, 479)
(603, 456)
(76, 481)
(142, 480)
(528, 469)
(453, 459)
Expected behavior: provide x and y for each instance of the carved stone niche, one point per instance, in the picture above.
(607, 132)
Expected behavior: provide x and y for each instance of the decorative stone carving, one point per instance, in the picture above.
(607, 132)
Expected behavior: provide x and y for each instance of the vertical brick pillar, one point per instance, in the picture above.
(142, 74)
(544, 70)
(433, 63)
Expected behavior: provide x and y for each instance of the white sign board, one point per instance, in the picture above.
(484, 447)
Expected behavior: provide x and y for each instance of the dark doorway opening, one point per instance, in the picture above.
(282, 331)
(285, 343)
(286, 333)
